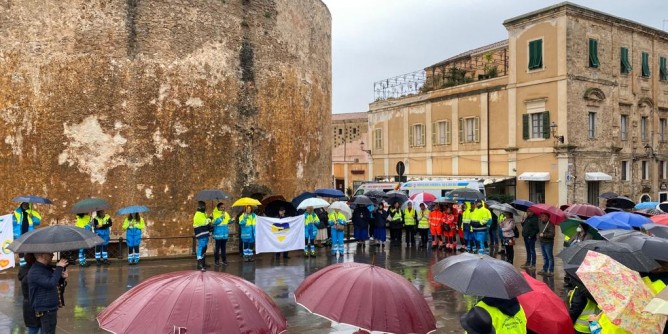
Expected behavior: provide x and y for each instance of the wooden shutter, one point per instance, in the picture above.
(476, 129)
(434, 134)
(546, 125)
(423, 135)
(448, 133)
(526, 123)
(461, 130)
(411, 139)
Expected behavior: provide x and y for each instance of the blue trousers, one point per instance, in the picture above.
(82, 256)
(247, 248)
(548, 257)
(337, 241)
(201, 247)
(469, 239)
(481, 238)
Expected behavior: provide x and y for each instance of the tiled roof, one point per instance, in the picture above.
(468, 53)
(350, 116)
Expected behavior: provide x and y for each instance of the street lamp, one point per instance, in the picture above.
(553, 129)
(362, 148)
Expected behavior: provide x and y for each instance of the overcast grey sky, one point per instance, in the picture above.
(378, 39)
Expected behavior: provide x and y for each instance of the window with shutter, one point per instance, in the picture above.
(593, 53)
(423, 134)
(645, 65)
(434, 133)
(411, 136)
(663, 71)
(448, 133)
(536, 54)
(624, 61)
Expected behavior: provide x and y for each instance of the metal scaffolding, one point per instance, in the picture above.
(401, 85)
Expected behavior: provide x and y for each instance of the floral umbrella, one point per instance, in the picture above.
(620, 293)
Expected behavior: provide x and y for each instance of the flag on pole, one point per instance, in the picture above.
(6, 237)
(279, 235)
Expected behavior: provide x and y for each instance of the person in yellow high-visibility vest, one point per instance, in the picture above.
(493, 315)
(410, 222)
(201, 225)
(83, 221)
(423, 225)
(581, 305)
(24, 220)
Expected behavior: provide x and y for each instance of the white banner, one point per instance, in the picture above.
(279, 235)
(6, 237)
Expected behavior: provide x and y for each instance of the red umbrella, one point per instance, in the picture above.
(556, 215)
(199, 302)
(584, 210)
(423, 198)
(660, 219)
(367, 297)
(546, 313)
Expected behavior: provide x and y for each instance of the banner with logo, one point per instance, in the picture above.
(279, 235)
(6, 237)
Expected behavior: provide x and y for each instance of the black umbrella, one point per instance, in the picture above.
(271, 210)
(615, 232)
(301, 197)
(394, 196)
(620, 202)
(32, 199)
(362, 200)
(633, 259)
(653, 247)
(663, 206)
(465, 194)
(90, 205)
(657, 230)
(480, 275)
(608, 195)
(211, 195)
(375, 195)
(55, 238)
(611, 209)
(522, 205)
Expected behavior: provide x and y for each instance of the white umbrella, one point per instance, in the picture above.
(313, 202)
(341, 206)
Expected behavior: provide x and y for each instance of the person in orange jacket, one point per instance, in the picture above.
(449, 229)
(436, 226)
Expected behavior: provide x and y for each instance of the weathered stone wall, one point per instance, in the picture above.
(147, 102)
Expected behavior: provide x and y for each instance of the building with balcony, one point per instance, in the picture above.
(573, 104)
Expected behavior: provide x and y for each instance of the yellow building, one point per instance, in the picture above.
(350, 158)
(573, 104)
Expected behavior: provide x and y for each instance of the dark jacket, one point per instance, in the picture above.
(579, 301)
(361, 217)
(530, 227)
(324, 219)
(43, 287)
(29, 317)
(548, 231)
(380, 218)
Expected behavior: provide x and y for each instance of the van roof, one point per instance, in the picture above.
(410, 184)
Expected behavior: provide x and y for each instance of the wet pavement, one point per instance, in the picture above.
(90, 289)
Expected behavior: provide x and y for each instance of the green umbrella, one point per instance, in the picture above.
(570, 225)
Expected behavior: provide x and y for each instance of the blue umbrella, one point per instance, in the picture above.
(605, 222)
(328, 192)
(646, 205)
(32, 199)
(131, 209)
(522, 205)
(631, 219)
(299, 199)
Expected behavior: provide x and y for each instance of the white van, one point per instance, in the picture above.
(439, 188)
(382, 186)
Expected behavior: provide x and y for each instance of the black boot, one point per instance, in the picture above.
(200, 265)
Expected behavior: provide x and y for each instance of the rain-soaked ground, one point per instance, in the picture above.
(90, 289)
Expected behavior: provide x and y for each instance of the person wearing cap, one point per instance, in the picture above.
(281, 215)
(581, 305)
(546, 237)
(247, 221)
(436, 226)
(101, 225)
(480, 219)
(423, 225)
(465, 225)
(311, 222)
(201, 225)
(24, 220)
(494, 315)
(396, 219)
(410, 220)
(221, 232)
